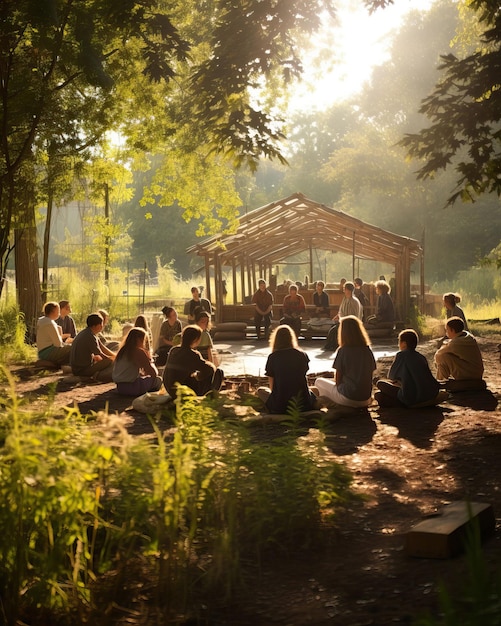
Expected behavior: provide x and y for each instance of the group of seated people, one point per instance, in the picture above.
(189, 358)
(294, 307)
(410, 382)
(188, 353)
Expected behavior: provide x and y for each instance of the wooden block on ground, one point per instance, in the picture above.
(443, 536)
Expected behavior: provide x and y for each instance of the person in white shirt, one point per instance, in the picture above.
(350, 305)
(50, 344)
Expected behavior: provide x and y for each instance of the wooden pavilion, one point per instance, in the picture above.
(280, 230)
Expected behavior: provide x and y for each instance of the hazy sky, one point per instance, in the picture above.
(360, 42)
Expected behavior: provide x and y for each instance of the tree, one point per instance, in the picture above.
(69, 71)
(465, 114)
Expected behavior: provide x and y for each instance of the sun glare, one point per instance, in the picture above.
(343, 59)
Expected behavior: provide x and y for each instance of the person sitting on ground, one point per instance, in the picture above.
(133, 370)
(186, 366)
(87, 357)
(263, 301)
(354, 366)
(206, 345)
(410, 381)
(169, 329)
(142, 322)
(350, 305)
(196, 303)
(292, 308)
(452, 309)
(286, 369)
(460, 357)
(67, 323)
(109, 348)
(49, 340)
(385, 311)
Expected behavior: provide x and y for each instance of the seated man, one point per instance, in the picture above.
(410, 381)
(459, 358)
(263, 301)
(66, 322)
(49, 338)
(196, 303)
(293, 307)
(87, 357)
(186, 366)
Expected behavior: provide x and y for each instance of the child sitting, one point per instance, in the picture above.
(411, 382)
(460, 358)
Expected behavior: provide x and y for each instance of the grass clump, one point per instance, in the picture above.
(88, 511)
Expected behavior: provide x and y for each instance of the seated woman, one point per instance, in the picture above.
(169, 329)
(452, 309)
(206, 346)
(142, 322)
(385, 311)
(186, 366)
(133, 370)
(354, 365)
(286, 369)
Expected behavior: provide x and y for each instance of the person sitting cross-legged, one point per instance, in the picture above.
(49, 339)
(286, 369)
(460, 359)
(186, 366)
(354, 365)
(410, 382)
(134, 371)
(87, 357)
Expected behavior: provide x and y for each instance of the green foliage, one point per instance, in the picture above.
(12, 336)
(82, 501)
(464, 114)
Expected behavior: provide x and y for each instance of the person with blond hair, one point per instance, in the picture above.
(354, 366)
(134, 372)
(286, 369)
(385, 311)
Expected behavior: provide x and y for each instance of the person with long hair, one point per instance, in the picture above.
(186, 366)
(286, 369)
(354, 365)
(133, 370)
(142, 322)
(169, 329)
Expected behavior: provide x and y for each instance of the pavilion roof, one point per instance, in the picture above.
(282, 229)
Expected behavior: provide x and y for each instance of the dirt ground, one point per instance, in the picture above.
(407, 464)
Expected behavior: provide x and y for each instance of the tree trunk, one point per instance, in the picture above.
(27, 272)
(46, 246)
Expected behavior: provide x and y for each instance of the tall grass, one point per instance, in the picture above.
(12, 336)
(84, 507)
